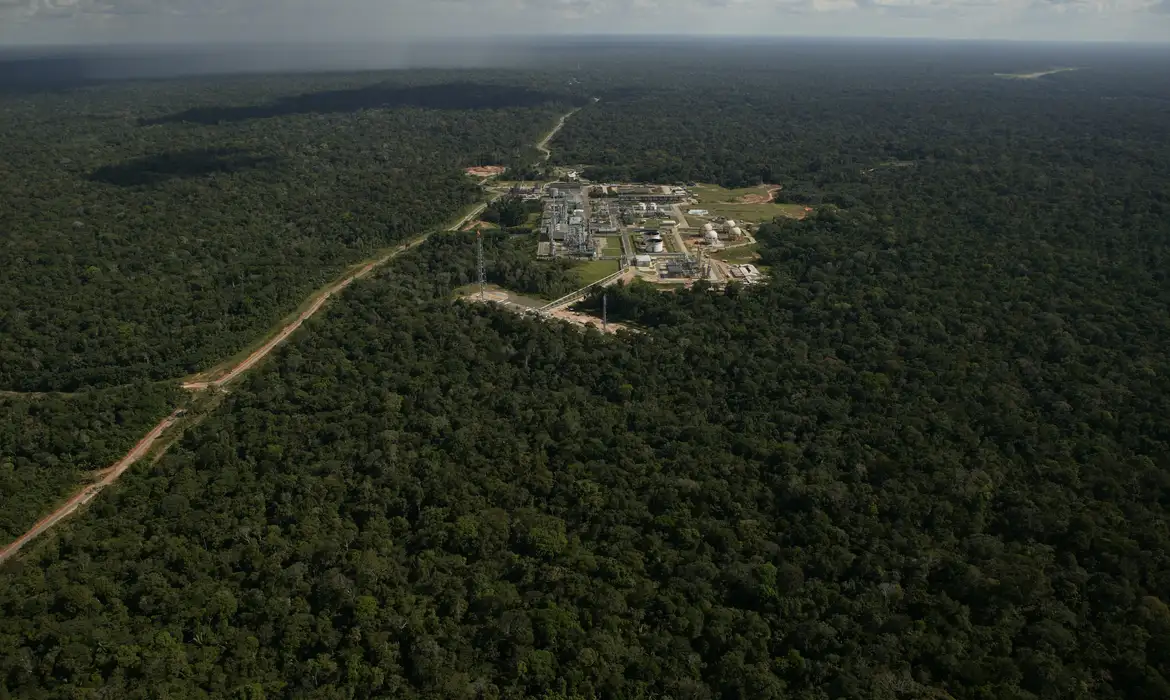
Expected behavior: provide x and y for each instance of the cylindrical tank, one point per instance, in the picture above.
(737, 232)
(711, 236)
(554, 192)
(729, 225)
(655, 246)
(708, 226)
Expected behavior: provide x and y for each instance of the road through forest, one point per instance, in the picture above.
(543, 145)
(86, 494)
(111, 474)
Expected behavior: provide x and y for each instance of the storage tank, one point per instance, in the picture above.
(708, 227)
(729, 225)
(554, 192)
(737, 232)
(711, 236)
(655, 246)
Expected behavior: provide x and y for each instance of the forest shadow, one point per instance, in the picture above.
(26, 76)
(156, 169)
(452, 96)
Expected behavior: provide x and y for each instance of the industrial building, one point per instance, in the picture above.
(565, 221)
(656, 194)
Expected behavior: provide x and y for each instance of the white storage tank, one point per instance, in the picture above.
(655, 246)
(708, 227)
(729, 225)
(711, 236)
(737, 232)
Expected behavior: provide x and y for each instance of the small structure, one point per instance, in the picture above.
(643, 260)
(697, 212)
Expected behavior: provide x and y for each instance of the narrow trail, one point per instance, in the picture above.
(111, 473)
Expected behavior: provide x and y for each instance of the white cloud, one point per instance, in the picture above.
(107, 20)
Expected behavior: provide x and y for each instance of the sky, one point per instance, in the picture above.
(24, 22)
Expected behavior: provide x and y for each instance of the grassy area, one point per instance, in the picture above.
(590, 272)
(610, 245)
(739, 256)
(715, 193)
(723, 202)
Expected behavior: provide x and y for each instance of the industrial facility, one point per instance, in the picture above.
(643, 227)
(566, 224)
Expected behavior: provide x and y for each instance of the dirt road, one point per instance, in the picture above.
(111, 474)
(543, 145)
(319, 301)
(86, 494)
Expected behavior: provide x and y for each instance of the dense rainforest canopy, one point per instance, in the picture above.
(151, 229)
(49, 443)
(928, 460)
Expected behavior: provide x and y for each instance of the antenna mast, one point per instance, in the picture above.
(605, 313)
(479, 262)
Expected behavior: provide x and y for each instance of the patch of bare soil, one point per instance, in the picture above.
(485, 170)
(760, 198)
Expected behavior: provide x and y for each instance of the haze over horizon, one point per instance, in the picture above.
(69, 22)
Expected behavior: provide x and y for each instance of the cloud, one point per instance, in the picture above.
(306, 20)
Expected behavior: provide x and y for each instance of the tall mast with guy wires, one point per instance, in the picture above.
(479, 263)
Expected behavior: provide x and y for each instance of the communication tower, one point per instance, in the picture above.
(479, 263)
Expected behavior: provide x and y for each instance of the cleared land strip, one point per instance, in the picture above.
(111, 474)
(86, 494)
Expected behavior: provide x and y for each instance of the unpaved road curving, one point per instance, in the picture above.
(87, 493)
(543, 145)
(111, 474)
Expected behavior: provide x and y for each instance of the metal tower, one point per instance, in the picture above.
(479, 263)
(605, 313)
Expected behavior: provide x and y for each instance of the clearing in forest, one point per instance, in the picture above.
(499, 295)
(739, 255)
(485, 170)
(751, 204)
(593, 270)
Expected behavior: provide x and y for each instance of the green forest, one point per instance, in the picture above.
(150, 230)
(928, 460)
(49, 443)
